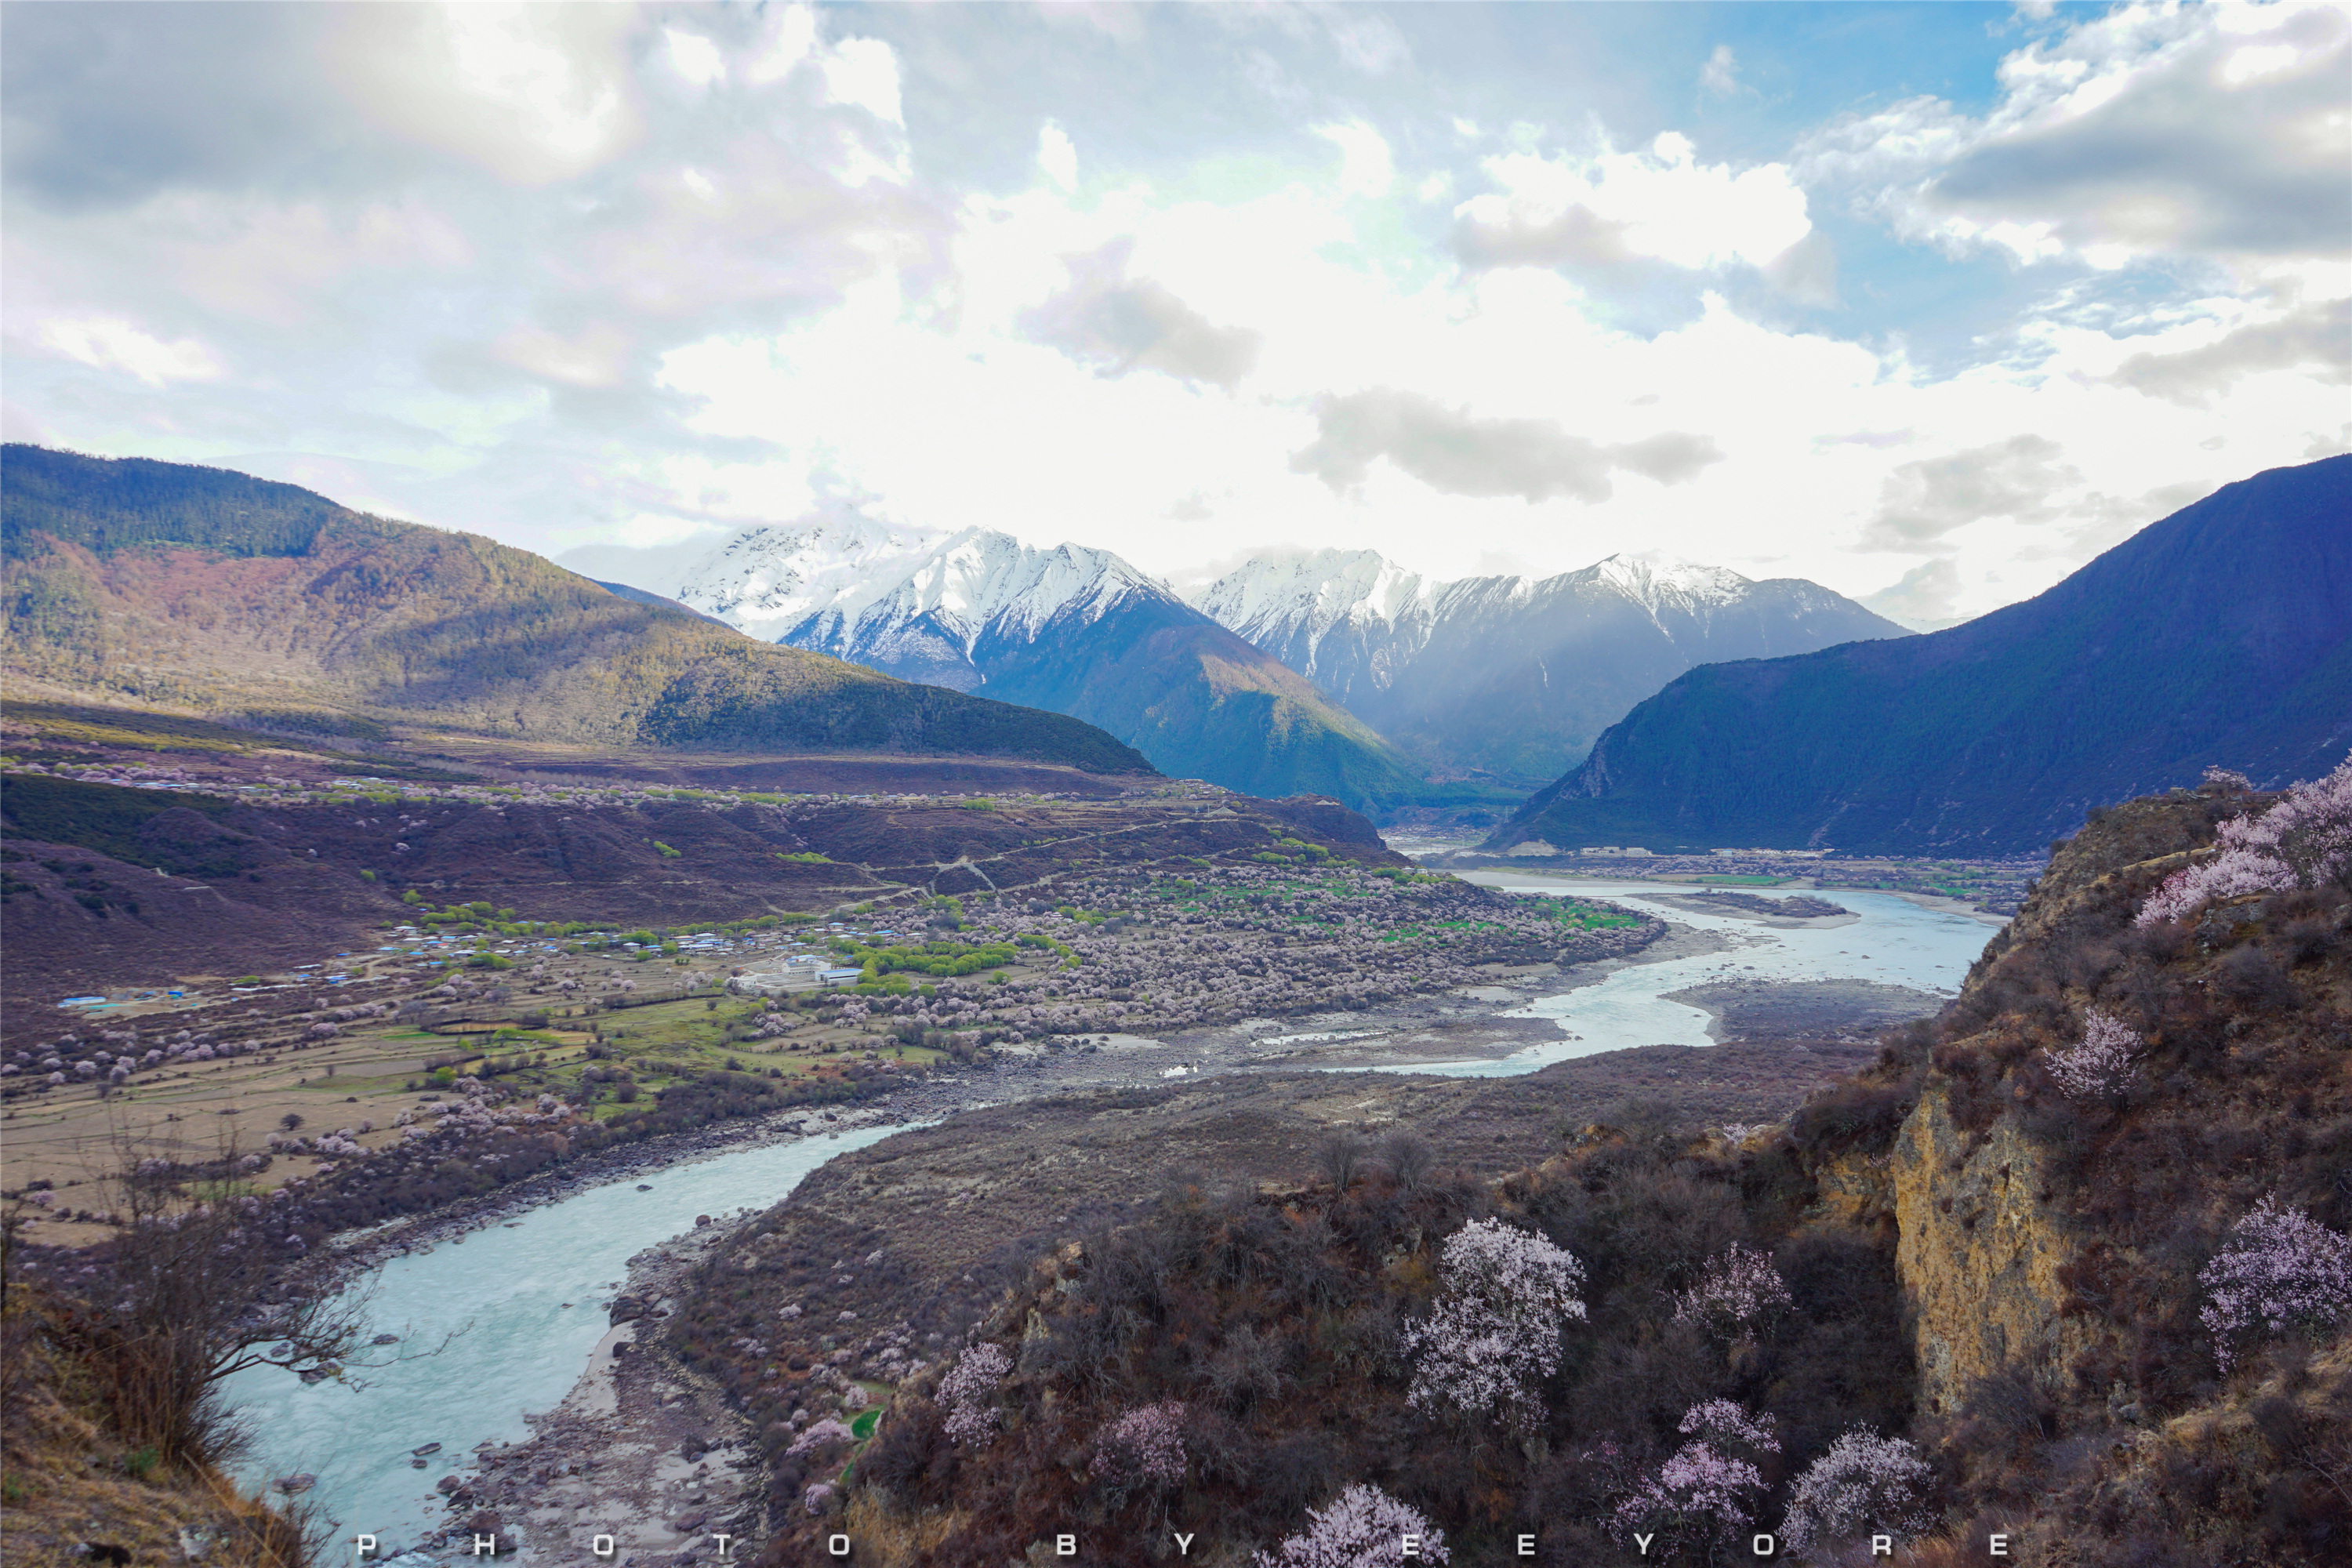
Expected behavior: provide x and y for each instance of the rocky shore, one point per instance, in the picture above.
(642, 1462)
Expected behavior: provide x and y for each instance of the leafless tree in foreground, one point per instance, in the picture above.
(198, 1281)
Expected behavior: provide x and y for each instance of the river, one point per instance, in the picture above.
(528, 1293)
(1893, 943)
(525, 1301)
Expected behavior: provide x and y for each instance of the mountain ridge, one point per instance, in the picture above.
(2219, 635)
(1069, 629)
(1514, 675)
(203, 587)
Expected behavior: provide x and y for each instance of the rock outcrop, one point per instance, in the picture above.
(1979, 1252)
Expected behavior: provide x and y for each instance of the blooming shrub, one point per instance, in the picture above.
(1495, 1333)
(2103, 1065)
(2303, 841)
(1364, 1526)
(1144, 1447)
(1704, 1497)
(2279, 1269)
(819, 1434)
(1865, 1485)
(1738, 1291)
(968, 1394)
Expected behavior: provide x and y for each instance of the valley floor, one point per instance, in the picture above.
(1032, 1148)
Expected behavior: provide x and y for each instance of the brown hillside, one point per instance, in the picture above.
(350, 615)
(2003, 1273)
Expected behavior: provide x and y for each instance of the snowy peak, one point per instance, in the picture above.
(767, 579)
(837, 581)
(1299, 598)
(1511, 674)
(1659, 581)
(1310, 591)
(970, 584)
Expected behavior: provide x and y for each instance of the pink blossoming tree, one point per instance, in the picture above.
(1495, 1333)
(1364, 1527)
(2280, 1270)
(2103, 1065)
(1704, 1497)
(1142, 1450)
(968, 1394)
(1865, 1485)
(2303, 841)
(1739, 1292)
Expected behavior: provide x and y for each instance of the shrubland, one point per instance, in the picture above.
(2069, 1262)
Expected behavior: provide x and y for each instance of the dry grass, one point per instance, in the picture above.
(73, 1479)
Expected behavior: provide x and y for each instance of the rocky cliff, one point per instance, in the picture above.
(1980, 1252)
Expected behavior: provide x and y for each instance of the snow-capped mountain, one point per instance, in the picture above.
(944, 617)
(1516, 676)
(1068, 628)
(917, 604)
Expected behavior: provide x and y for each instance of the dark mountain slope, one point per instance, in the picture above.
(2220, 634)
(206, 589)
(1200, 703)
(1078, 631)
(1515, 677)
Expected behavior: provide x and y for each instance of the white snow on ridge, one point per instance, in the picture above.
(767, 580)
(861, 580)
(1657, 581)
(1317, 590)
(1307, 596)
(980, 581)
(864, 589)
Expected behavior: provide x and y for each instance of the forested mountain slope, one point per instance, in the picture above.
(2222, 634)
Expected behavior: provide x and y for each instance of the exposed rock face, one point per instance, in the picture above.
(1979, 1254)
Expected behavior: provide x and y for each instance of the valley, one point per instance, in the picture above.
(1114, 785)
(994, 1006)
(1072, 989)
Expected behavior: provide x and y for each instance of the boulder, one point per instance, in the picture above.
(485, 1523)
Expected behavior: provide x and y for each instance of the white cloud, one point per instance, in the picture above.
(1924, 598)
(788, 39)
(2314, 339)
(2152, 129)
(1366, 168)
(1057, 156)
(1119, 324)
(1720, 74)
(694, 57)
(1925, 499)
(1660, 204)
(531, 94)
(864, 72)
(1462, 453)
(1369, 42)
(596, 356)
(111, 343)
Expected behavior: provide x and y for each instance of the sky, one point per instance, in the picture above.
(1929, 304)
